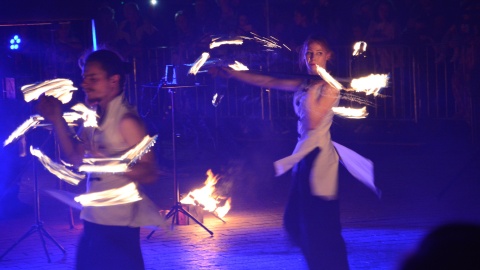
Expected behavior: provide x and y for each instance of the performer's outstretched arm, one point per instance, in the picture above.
(255, 79)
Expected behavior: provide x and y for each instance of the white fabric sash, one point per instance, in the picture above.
(360, 167)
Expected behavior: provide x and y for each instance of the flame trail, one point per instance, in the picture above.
(370, 84)
(121, 163)
(89, 116)
(328, 78)
(134, 154)
(238, 66)
(58, 170)
(342, 111)
(199, 63)
(216, 99)
(234, 41)
(107, 168)
(287, 47)
(351, 112)
(126, 194)
(107, 165)
(359, 48)
(30, 123)
(58, 88)
(357, 99)
(267, 42)
(270, 43)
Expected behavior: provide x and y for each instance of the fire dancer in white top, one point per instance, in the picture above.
(312, 217)
(111, 238)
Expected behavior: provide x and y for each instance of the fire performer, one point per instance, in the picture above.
(312, 214)
(111, 236)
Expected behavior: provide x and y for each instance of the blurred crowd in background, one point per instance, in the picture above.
(184, 27)
(187, 25)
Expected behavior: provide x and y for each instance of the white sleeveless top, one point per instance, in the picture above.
(106, 141)
(324, 173)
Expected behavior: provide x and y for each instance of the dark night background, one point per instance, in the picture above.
(423, 135)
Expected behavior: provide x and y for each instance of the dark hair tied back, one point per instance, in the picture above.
(111, 62)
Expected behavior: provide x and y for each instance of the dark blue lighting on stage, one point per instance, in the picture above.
(15, 42)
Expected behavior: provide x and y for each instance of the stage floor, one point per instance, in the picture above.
(423, 185)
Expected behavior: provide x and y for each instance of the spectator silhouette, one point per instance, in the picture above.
(206, 17)
(448, 247)
(427, 22)
(362, 15)
(383, 30)
(227, 22)
(329, 18)
(384, 26)
(62, 55)
(300, 27)
(185, 39)
(106, 26)
(135, 32)
(245, 25)
(135, 36)
(459, 46)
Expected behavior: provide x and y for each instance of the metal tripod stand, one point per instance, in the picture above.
(177, 207)
(38, 226)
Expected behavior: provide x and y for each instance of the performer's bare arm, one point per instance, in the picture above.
(318, 105)
(72, 150)
(259, 80)
(145, 170)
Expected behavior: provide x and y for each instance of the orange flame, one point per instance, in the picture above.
(59, 88)
(238, 66)
(223, 210)
(205, 197)
(354, 113)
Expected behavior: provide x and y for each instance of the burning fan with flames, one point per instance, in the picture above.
(62, 90)
(354, 90)
(368, 85)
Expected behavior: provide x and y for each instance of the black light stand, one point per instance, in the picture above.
(38, 226)
(177, 207)
(61, 183)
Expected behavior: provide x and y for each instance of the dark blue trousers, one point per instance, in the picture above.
(313, 223)
(109, 247)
